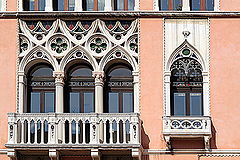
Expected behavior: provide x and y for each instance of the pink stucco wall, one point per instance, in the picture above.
(229, 5)
(224, 82)
(8, 43)
(11, 5)
(146, 5)
(151, 82)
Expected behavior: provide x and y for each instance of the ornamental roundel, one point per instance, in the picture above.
(132, 44)
(24, 44)
(58, 44)
(98, 44)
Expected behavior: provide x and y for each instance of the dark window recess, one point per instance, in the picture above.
(63, 5)
(186, 88)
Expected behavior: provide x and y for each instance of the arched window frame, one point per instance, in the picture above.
(185, 5)
(167, 77)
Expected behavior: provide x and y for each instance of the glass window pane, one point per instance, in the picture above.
(195, 104)
(41, 5)
(164, 5)
(121, 72)
(113, 102)
(127, 102)
(84, 72)
(209, 5)
(60, 5)
(90, 5)
(31, 5)
(43, 72)
(101, 4)
(71, 5)
(176, 4)
(130, 5)
(88, 102)
(196, 5)
(74, 102)
(35, 102)
(49, 102)
(120, 5)
(179, 104)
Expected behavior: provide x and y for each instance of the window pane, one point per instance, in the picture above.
(164, 5)
(31, 5)
(130, 5)
(90, 5)
(88, 102)
(179, 104)
(209, 5)
(84, 72)
(120, 5)
(195, 104)
(176, 4)
(113, 102)
(74, 102)
(60, 5)
(41, 5)
(49, 102)
(35, 102)
(0, 4)
(71, 5)
(127, 102)
(43, 72)
(121, 72)
(101, 4)
(196, 5)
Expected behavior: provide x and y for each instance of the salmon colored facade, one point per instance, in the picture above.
(145, 83)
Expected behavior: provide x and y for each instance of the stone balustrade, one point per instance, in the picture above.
(73, 129)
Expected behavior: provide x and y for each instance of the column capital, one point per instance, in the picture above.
(99, 78)
(59, 78)
(21, 77)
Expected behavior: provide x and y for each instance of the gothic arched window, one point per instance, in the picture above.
(34, 5)
(119, 90)
(41, 89)
(124, 5)
(186, 88)
(79, 90)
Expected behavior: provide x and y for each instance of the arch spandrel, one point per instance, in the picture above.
(115, 54)
(178, 53)
(77, 53)
(37, 55)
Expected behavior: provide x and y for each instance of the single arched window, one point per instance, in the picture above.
(63, 5)
(79, 90)
(41, 89)
(186, 88)
(34, 5)
(119, 90)
(93, 5)
(124, 5)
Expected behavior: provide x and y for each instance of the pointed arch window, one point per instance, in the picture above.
(119, 90)
(34, 5)
(186, 88)
(41, 89)
(79, 90)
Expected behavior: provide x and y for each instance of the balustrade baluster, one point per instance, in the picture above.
(111, 132)
(70, 132)
(124, 132)
(22, 131)
(29, 132)
(77, 134)
(104, 132)
(42, 132)
(118, 132)
(35, 134)
(84, 127)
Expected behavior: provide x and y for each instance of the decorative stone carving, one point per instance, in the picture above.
(59, 78)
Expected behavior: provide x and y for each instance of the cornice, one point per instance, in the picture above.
(120, 15)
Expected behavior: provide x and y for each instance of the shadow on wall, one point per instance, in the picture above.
(144, 138)
(213, 144)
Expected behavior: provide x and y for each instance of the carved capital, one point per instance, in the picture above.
(22, 77)
(99, 78)
(59, 78)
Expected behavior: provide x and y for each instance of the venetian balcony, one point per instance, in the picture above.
(73, 130)
(187, 127)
